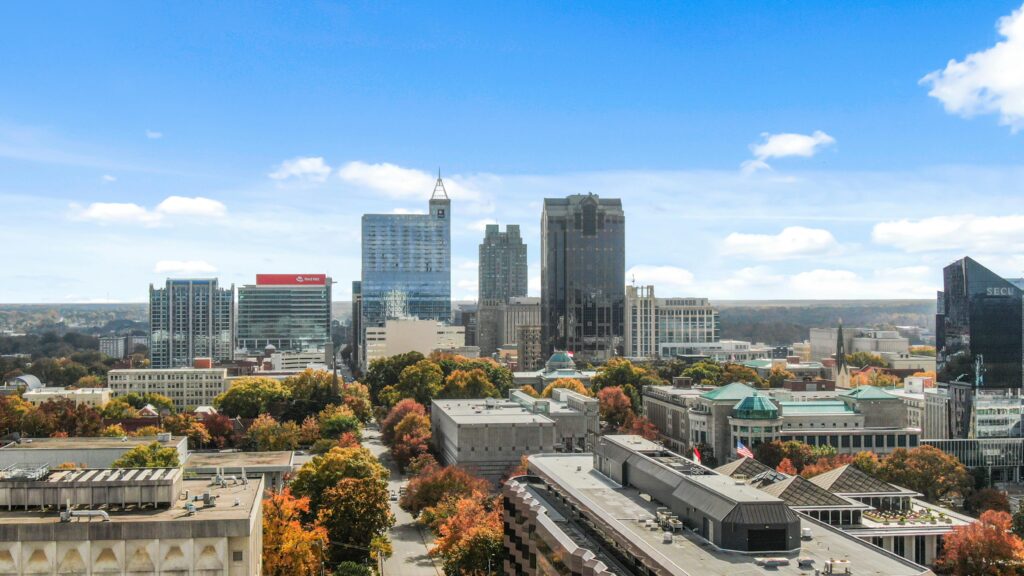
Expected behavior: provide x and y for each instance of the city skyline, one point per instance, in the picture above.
(744, 179)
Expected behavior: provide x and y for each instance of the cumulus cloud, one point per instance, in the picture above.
(396, 181)
(667, 280)
(481, 225)
(900, 282)
(964, 232)
(792, 242)
(184, 267)
(312, 169)
(987, 82)
(154, 135)
(785, 145)
(131, 213)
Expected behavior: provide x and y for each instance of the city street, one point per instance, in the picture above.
(408, 540)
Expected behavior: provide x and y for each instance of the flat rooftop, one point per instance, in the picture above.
(689, 555)
(81, 443)
(477, 412)
(254, 460)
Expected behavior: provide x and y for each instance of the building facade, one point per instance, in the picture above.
(401, 336)
(187, 387)
(502, 264)
(95, 397)
(406, 264)
(520, 311)
(529, 348)
(113, 346)
(291, 312)
(356, 338)
(660, 327)
(190, 319)
(583, 267)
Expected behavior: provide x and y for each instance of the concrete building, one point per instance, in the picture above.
(291, 312)
(187, 387)
(356, 337)
(127, 522)
(410, 335)
(83, 452)
(490, 317)
(272, 467)
(502, 264)
(529, 348)
(882, 342)
(717, 418)
(721, 351)
(490, 435)
(633, 507)
(801, 370)
(660, 327)
(190, 319)
(95, 397)
(468, 316)
(113, 346)
(559, 365)
(583, 263)
(520, 311)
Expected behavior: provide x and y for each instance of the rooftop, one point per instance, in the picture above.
(868, 393)
(231, 460)
(850, 480)
(735, 391)
(87, 443)
(814, 407)
(625, 512)
(477, 411)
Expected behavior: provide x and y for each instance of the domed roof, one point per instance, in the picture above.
(560, 360)
(755, 407)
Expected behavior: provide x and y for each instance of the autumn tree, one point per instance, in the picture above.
(822, 465)
(984, 548)
(422, 382)
(118, 409)
(386, 371)
(987, 499)
(291, 547)
(861, 359)
(926, 470)
(395, 415)
(867, 462)
(324, 472)
(705, 373)
(529, 391)
(434, 484)
(309, 392)
(159, 401)
(619, 372)
(412, 438)
(468, 384)
(470, 540)
(356, 513)
(356, 397)
(769, 453)
(187, 425)
(1018, 519)
(221, 429)
(147, 431)
(732, 372)
(640, 426)
(568, 383)
(113, 431)
(152, 455)
(786, 467)
(266, 434)
(498, 375)
(71, 419)
(778, 376)
(337, 420)
(251, 396)
(614, 405)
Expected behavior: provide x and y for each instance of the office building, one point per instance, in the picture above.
(128, 521)
(95, 397)
(666, 327)
(189, 319)
(864, 418)
(113, 346)
(520, 311)
(884, 343)
(291, 312)
(502, 264)
(187, 387)
(583, 267)
(633, 507)
(410, 335)
(467, 316)
(356, 337)
(490, 435)
(529, 348)
(490, 316)
(407, 264)
(84, 452)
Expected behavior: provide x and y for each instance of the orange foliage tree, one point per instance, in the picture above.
(983, 548)
(640, 426)
(615, 406)
(290, 547)
(411, 438)
(469, 537)
(395, 415)
(434, 483)
(569, 383)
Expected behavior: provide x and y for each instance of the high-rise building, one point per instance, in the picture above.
(979, 354)
(113, 346)
(291, 312)
(189, 319)
(502, 264)
(583, 270)
(355, 341)
(657, 327)
(521, 311)
(407, 264)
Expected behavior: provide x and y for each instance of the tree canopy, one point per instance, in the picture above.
(984, 548)
(567, 383)
(291, 547)
(251, 396)
(152, 455)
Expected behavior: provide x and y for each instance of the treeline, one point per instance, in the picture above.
(782, 325)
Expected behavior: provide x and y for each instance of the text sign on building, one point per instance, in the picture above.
(999, 291)
(291, 279)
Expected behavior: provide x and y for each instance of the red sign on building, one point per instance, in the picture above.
(291, 279)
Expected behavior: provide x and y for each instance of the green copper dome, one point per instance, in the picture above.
(756, 407)
(560, 360)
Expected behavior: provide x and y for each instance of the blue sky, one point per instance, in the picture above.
(762, 150)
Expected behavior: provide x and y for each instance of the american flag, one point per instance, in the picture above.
(742, 450)
(696, 455)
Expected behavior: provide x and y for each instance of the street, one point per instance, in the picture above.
(408, 540)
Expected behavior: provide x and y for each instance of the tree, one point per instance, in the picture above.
(385, 372)
(422, 382)
(867, 462)
(310, 391)
(923, 351)
(614, 405)
(705, 373)
(349, 568)
(90, 381)
(530, 391)
(186, 425)
(786, 467)
(355, 512)
(640, 426)
(798, 454)
(118, 409)
(568, 383)
(147, 431)
(395, 415)
(499, 376)
(291, 547)
(618, 372)
(861, 359)
(468, 384)
(357, 397)
(159, 401)
(267, 434)
(324, 472)
(739, 373)
(251, 396)
(221, 429)
(987, 499)
(1018, 519)
(470, 540)
(412, 438)
(71, 419)
(984, 548)
(113, 431)
(337, 420)
(434, 484)
(926, 470)
(148, 456)
(769, 453)
(826, 463)
(309, 431)
(778, 376)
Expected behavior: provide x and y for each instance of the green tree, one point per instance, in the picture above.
(618, 372)
(148, 456)
(422, 381)
(926, 470)
(118, 409)
(310, 391)
(861, 359)
(739, 373)
(251, 396)
(349, 568)
(337, 420)
(386, 371)
(705, 373)
(499, 376)
(159, 401)
(778, 376)
(468, 384)
(324, 472)
(267, 434)
(355, 512)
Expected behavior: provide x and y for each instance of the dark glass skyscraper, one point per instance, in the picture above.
(291, 312)
(583, 275)
(502, 264)
(407, 264)
(190, 319)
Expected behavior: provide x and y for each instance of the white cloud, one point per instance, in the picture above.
(196, 206)
(792, 242)
(753, 276)
(987, 82)
(407, 211)
(154, 135)
(900, 282)
(396, 181)
(184, 267)
(481, 225)
(667, 280)
(312, 169)
(109, 178)
(963, 232)
(784, 145)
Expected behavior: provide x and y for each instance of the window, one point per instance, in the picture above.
(236, 556)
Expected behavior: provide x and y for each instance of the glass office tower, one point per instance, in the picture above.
(291, 312)
(407, 264)
(190, 319)
(583, 270)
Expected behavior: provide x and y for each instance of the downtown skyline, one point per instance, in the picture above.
(744, 178)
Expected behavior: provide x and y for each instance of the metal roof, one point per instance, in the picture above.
(799, 492)
(850, 480)
(735, 391)
(868, 393)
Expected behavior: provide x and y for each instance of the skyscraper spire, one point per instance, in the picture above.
(439, 192)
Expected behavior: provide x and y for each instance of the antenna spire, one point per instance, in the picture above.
(439, 192)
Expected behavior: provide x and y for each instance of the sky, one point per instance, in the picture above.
(762, 150)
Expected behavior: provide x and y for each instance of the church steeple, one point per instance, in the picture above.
(840, 347)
